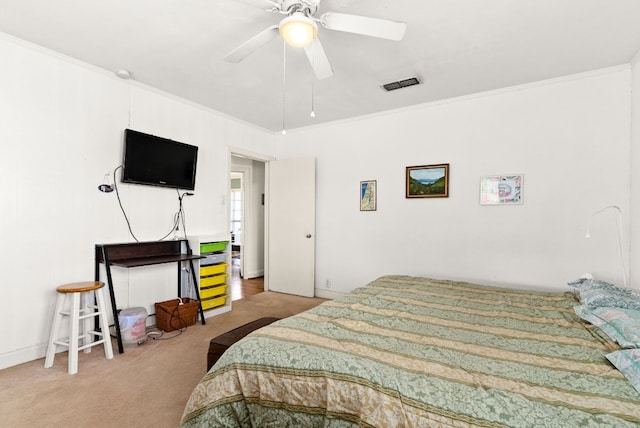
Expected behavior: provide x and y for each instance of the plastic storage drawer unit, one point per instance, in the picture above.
(213, 247)
(206, 293)
(209, 281)
(214, 258)
(214, 302)
(213, 269)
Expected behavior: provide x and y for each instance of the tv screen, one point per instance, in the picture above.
(158, 161)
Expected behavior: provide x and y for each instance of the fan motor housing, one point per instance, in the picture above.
(309, 7)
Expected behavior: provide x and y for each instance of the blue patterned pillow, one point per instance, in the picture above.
(627, 362)
(621, 325)
(596, 297)
(586, 283)
(595, 293)
(592, 318)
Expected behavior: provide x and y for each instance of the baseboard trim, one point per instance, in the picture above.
(256, 274)
(22, 356)
(328, 294)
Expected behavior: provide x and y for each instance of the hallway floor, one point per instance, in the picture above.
(241, 288)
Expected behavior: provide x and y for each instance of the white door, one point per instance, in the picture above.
(291, 219)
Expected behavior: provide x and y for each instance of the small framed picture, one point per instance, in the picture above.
(501, 189)
(368, 195)
(427, 181)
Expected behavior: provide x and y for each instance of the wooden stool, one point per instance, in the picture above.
(85, 313)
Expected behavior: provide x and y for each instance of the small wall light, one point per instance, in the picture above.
(107, 184)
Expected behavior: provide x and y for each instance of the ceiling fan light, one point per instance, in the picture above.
(298, 30)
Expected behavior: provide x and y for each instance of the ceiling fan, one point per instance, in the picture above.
(299, 28)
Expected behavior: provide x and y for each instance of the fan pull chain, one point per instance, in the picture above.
(284, 85)
(313, 80)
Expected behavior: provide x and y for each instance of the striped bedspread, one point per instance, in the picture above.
(415, 352)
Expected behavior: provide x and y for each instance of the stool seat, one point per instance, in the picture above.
(80, 287)
(81, 313)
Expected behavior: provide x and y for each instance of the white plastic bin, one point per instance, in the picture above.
(133, 325)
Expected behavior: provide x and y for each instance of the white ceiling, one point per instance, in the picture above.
(456, 47)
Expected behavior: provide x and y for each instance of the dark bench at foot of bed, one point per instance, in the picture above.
(221, 343)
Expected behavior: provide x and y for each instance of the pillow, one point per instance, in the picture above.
(627, 361)
(595, 297)
(583, 283)
(587, 283)
(587, 315)
(595, 293)
(621, 325)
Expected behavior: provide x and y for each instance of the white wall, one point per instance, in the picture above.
(569, 137)
(61, 130)
(635, 171)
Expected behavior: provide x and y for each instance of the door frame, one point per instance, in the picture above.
(246, 175)
(238, 152)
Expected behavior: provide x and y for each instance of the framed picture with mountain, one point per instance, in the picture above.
(428, 181)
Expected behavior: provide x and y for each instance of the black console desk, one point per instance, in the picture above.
(136, 254)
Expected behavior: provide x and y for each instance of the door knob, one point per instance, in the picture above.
(308, 235)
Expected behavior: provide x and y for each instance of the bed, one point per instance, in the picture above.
(415, 352)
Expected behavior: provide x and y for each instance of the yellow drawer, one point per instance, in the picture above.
(213, 291)
(209, 281)
(214, 302)
(213, 269)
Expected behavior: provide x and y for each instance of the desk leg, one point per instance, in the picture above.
(96, 276)
(112, 295)
(195, 286)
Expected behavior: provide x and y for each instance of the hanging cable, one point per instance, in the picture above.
(619, 238)
(115, 186)
(620, 248)
(179, 216)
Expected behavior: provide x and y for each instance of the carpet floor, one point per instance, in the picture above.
(146, 386)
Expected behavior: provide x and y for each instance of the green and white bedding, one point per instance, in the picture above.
(416, 352)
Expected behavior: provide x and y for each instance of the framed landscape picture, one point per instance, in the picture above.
(427, 181)
(368, 195)
(501, 189)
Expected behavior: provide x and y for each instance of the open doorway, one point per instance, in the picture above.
(236, 216)
(247, 226)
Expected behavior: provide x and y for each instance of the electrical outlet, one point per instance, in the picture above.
(328, 283)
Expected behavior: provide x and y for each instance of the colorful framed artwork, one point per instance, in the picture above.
(368, 195)
(427, 181)
(501, 189)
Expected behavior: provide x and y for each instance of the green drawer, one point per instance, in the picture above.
(212, 247)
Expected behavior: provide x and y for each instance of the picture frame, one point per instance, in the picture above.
(368, 195)
(501, 189)
(427, 181)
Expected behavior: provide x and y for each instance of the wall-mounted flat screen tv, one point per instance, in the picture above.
(157, 161)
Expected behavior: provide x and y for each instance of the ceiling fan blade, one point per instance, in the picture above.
(318, 59)
(258, 4)
(375, 27)
(253, 44)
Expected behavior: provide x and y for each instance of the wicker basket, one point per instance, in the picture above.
(171, 315)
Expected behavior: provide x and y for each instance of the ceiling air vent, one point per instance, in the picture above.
(401, 84)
